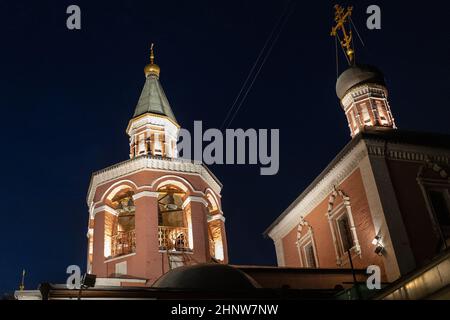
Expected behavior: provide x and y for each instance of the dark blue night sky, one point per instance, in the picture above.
(66, 98)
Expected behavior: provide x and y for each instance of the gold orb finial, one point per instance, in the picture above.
(152, 68)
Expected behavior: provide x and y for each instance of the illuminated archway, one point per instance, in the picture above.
(174, 221)
(215, 228)
(120, 237)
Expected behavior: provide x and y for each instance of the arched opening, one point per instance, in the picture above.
(215, 229)
(120, 237)
(174, 223)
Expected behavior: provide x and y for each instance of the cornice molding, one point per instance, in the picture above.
(375, 90)
(348, 163)
(102, 208)
(145, 194)
(320, 191)
(152, 119)
(194, 199)
(406, 152)
(143, 163)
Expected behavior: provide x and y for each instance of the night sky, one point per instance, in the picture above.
(66, 98)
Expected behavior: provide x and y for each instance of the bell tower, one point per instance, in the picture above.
(153, 130)
(155, 211)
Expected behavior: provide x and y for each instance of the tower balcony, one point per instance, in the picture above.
(173, 238)
(123, 243)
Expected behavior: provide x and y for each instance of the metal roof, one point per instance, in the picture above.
(153, 99)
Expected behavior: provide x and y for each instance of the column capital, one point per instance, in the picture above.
(105, 208)
(145, 194)
(217, 216)
(194, 199)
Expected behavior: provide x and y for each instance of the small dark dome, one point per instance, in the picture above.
(207, 276)
(357, 75)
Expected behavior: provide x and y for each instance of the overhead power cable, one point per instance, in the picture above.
(257, 65)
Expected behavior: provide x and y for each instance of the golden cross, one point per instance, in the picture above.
(152, 55)
(340, 17)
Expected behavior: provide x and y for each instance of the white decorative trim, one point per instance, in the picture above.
(145, 194)
(303, 241)
(116, 282)
(280, 252)
(194, 199)
(90, 233)
(376, 90)
(105, 208)
(320, 190)
(119, 257)
(115, 185)
(216, 217)
(152, 120)
(215, 196)
(332, 221)
(185, 183)
(151, 164)
(378, 219)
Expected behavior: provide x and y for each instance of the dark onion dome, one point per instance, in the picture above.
(207, 276)
(358, 75)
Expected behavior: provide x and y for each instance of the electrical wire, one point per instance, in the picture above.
(356, 29)
(261, 59)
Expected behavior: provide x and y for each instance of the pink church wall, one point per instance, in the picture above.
(317, 218)
(148, 262)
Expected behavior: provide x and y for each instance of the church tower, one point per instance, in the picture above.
(363, 95)
(155, 211)
(361, 88)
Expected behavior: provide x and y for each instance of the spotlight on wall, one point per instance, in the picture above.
(379, 248)
(89, 280)
(375, 240)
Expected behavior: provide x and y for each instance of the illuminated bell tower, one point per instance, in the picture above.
(155, 211)
(153, 130)
(361, 88)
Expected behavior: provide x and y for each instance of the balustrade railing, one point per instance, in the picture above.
(123, 243)
(173, 238)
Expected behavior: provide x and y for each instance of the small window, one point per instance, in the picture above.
(345, 233)
(381, 113)
(310, 256)
(365, 113)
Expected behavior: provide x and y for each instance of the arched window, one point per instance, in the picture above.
(173, 219)
(120, 228)
(342, 226)
(306, 245)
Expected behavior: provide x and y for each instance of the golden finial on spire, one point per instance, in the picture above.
(22, 282)
(340, 17)
(152, 68)
(152, 54)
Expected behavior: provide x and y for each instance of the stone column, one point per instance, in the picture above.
(199, 229)
(147, 262)
(98, 260)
